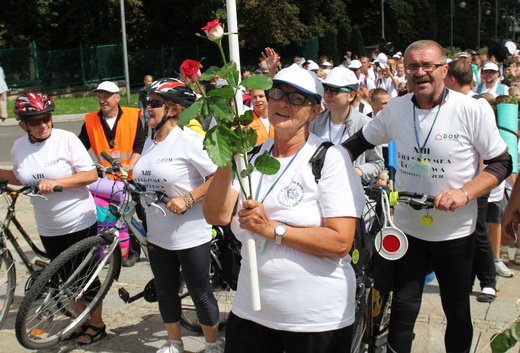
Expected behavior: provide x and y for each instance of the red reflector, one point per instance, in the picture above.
(391, 243)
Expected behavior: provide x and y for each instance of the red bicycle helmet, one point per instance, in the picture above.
(173, 90)
(31, 104)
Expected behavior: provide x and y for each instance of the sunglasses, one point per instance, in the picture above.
(334, 91)
(37, 122)
(155, 103)
(293, 97)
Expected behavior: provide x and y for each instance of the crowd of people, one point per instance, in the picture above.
(441, 114)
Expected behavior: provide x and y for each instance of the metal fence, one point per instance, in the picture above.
(30, 67)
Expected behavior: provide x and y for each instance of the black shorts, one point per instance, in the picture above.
(495, 211)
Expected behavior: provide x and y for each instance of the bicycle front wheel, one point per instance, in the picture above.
(75, 282)
(7, 284)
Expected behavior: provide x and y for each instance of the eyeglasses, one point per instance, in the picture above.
(37, 122)
(155, 103)
(293, 97)
(334, 91)
(425, 67)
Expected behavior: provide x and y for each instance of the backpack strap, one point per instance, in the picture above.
(318, 159)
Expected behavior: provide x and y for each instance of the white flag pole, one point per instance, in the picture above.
(234, 55)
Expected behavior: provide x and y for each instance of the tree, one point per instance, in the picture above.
(357, 46)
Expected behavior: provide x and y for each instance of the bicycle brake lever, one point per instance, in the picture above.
(159, 207)
(33, 194)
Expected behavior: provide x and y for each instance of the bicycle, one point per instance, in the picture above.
(223, 292)
(40, 323)
(7, 265)
(378, 242)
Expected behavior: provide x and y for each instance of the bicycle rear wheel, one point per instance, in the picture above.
(7, 284)
(86, 269)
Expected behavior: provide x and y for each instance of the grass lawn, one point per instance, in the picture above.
(76, 105)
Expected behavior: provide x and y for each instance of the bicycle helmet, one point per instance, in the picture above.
(173, 90)
(31, 104)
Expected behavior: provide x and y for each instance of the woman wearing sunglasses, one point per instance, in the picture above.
(49, 157)
(304, 230)
(340, 120)
(173, 161)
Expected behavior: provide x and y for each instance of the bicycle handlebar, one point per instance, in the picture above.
(26, 189)
(417, 201)
(152, 198)
(116, 164)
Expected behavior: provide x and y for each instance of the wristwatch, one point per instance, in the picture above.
(279, 232)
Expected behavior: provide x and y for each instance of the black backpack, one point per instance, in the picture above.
(230, 246)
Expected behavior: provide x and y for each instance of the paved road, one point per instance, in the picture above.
(10, 131)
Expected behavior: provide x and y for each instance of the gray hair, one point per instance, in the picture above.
(426, 44)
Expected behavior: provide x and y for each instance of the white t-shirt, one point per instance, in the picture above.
(464, 130)
(175, 166)
(300, 292)
(388, 84)
(61, 155)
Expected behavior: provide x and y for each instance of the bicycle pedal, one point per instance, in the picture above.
(123, 294)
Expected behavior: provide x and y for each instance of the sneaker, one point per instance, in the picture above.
(171, 347)
(502, 269)
(504, 254)
(130, 261)
(214, 347)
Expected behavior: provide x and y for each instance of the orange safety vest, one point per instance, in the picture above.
(260, 129)
(124, 137)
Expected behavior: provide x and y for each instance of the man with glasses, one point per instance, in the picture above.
(440, 135)
(118, 131)
(340, 120)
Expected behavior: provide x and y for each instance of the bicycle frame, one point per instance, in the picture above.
(7, 234)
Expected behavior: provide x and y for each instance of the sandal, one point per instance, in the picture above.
(75, 335)
(99, 334)
(486, 298)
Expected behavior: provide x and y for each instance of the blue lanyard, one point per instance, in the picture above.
(342, 134)
(276, 181)
(431, 127)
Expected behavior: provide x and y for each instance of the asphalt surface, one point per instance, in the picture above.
(138, 328)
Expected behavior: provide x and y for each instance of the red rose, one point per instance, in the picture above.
(214, 30)
(190, 69)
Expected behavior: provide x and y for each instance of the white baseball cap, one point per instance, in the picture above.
(107, 86)
(382, 59)
(355, 64)
(341, 77)
(491, 66)
(313, 66)
(300, 79)
(511, 47)
(326, 63)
